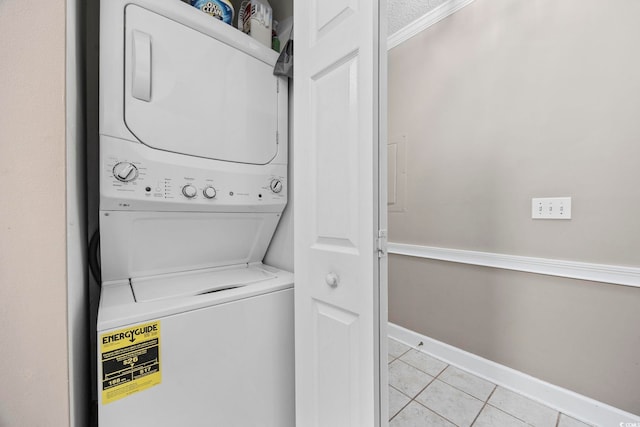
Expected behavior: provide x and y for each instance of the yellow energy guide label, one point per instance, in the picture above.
(130, 360)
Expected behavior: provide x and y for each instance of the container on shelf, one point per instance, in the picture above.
(256, 19)
(220, 9)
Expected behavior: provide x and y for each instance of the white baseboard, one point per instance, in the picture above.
(568, 402)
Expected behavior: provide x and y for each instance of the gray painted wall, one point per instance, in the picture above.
(501, 102)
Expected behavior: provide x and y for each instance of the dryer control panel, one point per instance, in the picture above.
(135, 177)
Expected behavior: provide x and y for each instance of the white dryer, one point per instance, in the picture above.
(193, 330)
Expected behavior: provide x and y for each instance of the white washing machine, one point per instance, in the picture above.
(193, 330)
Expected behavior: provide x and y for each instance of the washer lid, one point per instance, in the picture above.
(197, 282)
(119, 308)
(187, 92)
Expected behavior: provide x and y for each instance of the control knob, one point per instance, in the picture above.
(125, 172)
(189, 191)
(209, 192)
(276, 186)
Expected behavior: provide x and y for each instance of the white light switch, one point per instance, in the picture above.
(551, 208)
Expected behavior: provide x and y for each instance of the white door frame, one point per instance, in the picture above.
(383, 287)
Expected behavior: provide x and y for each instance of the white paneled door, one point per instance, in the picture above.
(339, 212)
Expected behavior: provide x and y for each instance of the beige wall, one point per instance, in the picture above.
(33, 336)
(511, 99)
(576, 334)
(501, 102)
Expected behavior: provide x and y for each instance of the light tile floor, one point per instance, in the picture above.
(425, 391)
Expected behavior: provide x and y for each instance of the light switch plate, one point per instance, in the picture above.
(551, 208)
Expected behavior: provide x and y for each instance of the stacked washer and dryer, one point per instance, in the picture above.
(193, 329)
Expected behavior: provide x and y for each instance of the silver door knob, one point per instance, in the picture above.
(332, 279)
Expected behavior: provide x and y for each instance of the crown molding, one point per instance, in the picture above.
(425, 21)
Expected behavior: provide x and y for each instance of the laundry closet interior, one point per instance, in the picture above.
(191, 163)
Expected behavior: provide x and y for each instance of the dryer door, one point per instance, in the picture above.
(188, 93)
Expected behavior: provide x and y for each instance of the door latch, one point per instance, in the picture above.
(381, 243)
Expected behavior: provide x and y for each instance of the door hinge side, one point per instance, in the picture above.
(381, 243)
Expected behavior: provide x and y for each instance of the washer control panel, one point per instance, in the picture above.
(276, 185)
(125, 171)
(209, 192)
(130, 183)
(189, 191)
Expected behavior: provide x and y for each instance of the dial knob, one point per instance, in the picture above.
(276, 185)
(125, 172)
(209, 192)
(189, 191)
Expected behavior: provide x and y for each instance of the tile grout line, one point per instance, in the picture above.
(438, 377)
(486, 402)
(515, 416)
(422, 370)
(431, 410)
(398, 357)
(424, 388)
(508, 413)
(400, 391)
(445, 368)
(468, 394)
(412, 399)
(461, 390)
(401, 409)
(394, 358)
(495, 387)
(425, 406)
